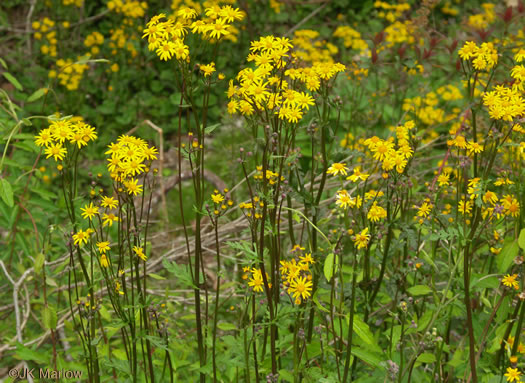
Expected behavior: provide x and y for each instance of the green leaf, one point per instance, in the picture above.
(9, 77)
(211, 128)
(50, 317)
(37, 94)
(119, 354)
(225, 326)
(6, 192)
(104, 313)
(318, 304)
(329, 266)
(521, 239)
(419, 290)
(181, 272)
(505, 258)
(27, 354)
(39, 262)
(156, 276)
(426, 357)
(363, 332)
(367, 357)
(286, 375)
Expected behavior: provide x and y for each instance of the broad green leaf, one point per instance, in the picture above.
(363, 332)
(367, 357)
(329, 266)
(521, 239)
(104, 313)
(419, 290)
(9, 77)
(505, 258)
(39, 262)
(37, 94)
(50, 317)
(27, 354)
(225, 326)
(6, 192)
(426, 357)
(211, 128)
(119, 354)
(286, 375)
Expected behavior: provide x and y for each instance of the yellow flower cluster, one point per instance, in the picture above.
(311, 49)
(484, 57)
(390, 12)
(93, 41)
(129, 8)
(399, 33)
(121, 39)
(352, 39)
(46, 33)
(504, 103)
(60, 133)
(69, 72)
(426, 108)
(296, 275)
(266, 89)
(221, 203)
(76, 3)
(276, 5)
(253, 208)
(449, 92)
(167, 37)
(129, 157)
(385, 150)
(271, 177)
(483, 20)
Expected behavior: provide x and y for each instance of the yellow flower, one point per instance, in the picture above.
(103, 247)
(218, 29)
(217, 198)
(139, 251)
(513, 375)
(307, 258)
(376, 213)
(109, 202)
(208, 69)
(108, 219)
(81, 237)
(166, 50)
(337, 168)
(510, 281)
(89, 211)
(361, 239)
(424, 210)
(358, 175)
(57, 151)
(443, 179)
(44, 138)
(133, 187)
(230, 14)
(256, 282)
(187, 13)
(300, 287)
(104, 261)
